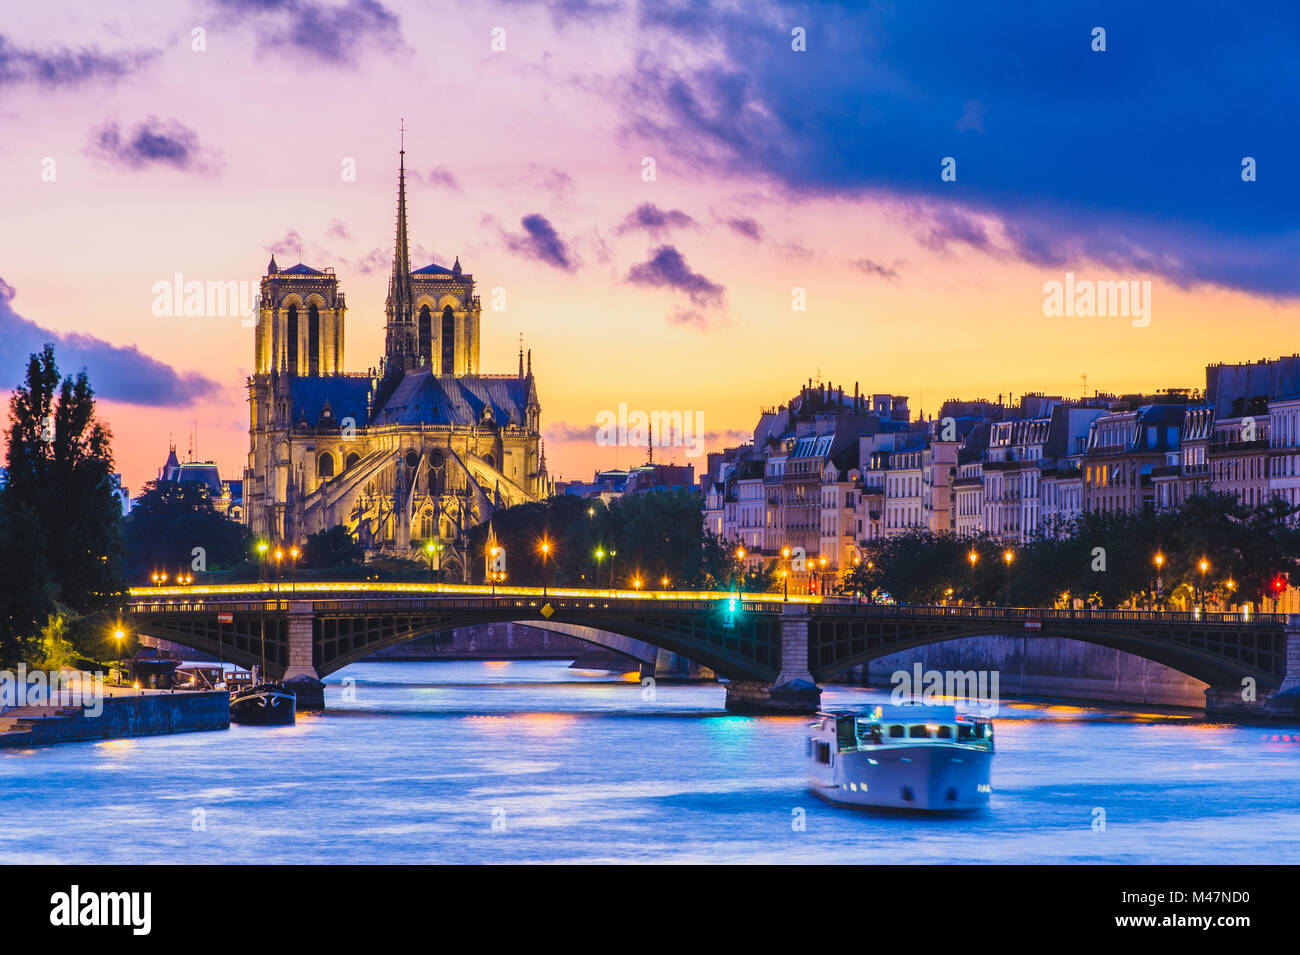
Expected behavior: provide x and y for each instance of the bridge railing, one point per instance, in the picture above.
(1031, 614)
(440, 602)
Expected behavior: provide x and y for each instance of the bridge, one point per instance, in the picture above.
(772, 652)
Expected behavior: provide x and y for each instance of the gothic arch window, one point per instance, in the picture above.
(448, 341)
(351, 460)
(291, 340)
(426, 334)
(325, 467)
(313, 339)
(426, 525)
(412, 459)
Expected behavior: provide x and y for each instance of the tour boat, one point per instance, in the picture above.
(910, 756)
(263, 704)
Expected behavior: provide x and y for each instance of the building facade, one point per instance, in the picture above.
(421, 447)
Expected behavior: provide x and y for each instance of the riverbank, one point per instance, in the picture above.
(123, 712)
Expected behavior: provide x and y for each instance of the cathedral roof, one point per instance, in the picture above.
(434, 269)
(345, 395)
(422, 397)
(300, 269)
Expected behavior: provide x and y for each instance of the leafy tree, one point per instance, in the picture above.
(62, 516)
(169, 520)
(332, 548)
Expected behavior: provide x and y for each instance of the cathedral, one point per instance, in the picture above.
(416, 451)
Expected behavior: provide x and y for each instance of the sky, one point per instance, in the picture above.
(682, 206)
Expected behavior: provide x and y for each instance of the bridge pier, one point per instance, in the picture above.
(1230, 702)
(300, 675)
(794, 690)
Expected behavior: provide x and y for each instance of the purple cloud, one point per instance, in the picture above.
(871, 267)
(749, 228)
(650, 218)
(439, 176)
(330, 33)
(153, 143)
(666, 268)
(540, 241)
(563, 431)
(64, 67)
(116, 373)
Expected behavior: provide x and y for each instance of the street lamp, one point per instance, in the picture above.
(1204, 566)
(1008, 556)
(600, 555)
(974, 558)
(430, 548)
(1160, 582)
(740, 573)
(664, 583)
(546, 553)
(118, 634)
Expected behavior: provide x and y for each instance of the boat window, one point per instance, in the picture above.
(920, 731)
(870, 732)
(896, 732)
(945, 732)
(964, 730)
(823, 752)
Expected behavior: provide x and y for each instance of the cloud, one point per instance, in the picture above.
(153, 143)
(749, 228)
(871, 267)
(65, 67)
(540, 241)
(116, 373)
(949, 226)
(338, 230)
(330, 33)
(648, 217)
(439, 176)
(291, 242)
(566, 11)
(563, 431)
(1130, 157)
(666, 268)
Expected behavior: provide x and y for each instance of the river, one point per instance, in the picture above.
(533, 762)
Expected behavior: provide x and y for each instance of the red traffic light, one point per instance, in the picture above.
(1279, 584)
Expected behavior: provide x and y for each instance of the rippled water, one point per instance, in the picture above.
(534, 762)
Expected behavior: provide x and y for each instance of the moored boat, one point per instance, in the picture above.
(911, 757)
(263, 704)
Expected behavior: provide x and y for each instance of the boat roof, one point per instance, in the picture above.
(913, 712)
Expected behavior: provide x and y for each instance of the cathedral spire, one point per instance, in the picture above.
(401, 345)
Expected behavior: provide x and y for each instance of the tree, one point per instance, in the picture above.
(332, 548)
(62, 513)
(170, 521)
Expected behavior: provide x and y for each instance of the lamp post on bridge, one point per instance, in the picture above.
(546, 554)
(1160, 582)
